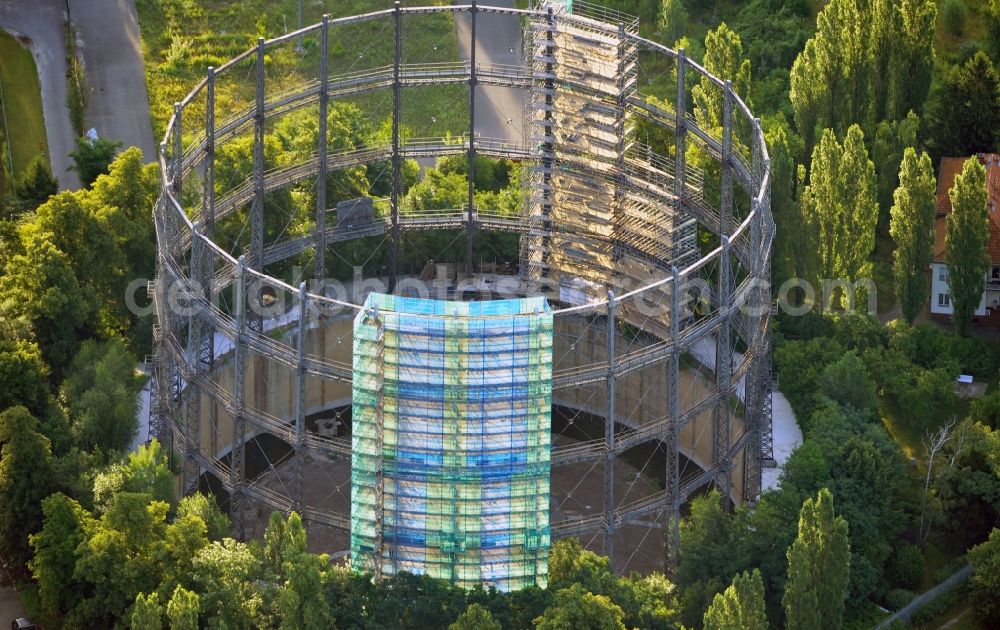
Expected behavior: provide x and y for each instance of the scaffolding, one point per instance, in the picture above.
(452, 413)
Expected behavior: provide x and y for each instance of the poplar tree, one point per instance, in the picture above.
(819, 567)
(869, 60)
(673, 20)
(840, 209)
(911, 226)
(723, 58)
(912, 47)
(740, 606)
(965, 242)
(788, 254)
(830, 83)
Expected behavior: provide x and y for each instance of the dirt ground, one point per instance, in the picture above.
(577, 490)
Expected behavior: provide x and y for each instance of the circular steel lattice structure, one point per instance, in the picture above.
(648, 231)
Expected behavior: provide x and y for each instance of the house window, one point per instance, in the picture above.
(995, 274)
(944, 299)
(943, 273)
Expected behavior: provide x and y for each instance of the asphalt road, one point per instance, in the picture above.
(499, 111)
(108, 32)
(41, 21)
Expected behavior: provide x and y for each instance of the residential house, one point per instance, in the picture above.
(989, 306)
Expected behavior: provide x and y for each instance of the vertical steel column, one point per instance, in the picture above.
(723, 378)
(470, 226)
(178, 156)
(671, 441)
(397, 162)
(609, 437)
(723, 347)
(319, 266)
(257, 208)
(300, 396)
(208, 210)
(196, 370)
(237, 460)
(680, 148)
(726, 177)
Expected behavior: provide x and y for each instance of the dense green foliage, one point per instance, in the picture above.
(966, 241)
(740, 606)
(912, 230)
(818, 567)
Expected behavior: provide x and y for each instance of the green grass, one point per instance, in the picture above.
(182, 38)
(23, 103)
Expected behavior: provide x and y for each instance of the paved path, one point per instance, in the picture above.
(10, 602)
(41, 21)
(109, 40)
(499, 111)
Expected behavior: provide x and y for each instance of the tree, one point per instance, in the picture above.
(840, 208)
(911, 226)
(740, 606)
(65, 526)
(868, 61)
(301, 600)
(226, 574)
(912, 57)
(147, 613)
(723, 58)
(788, 252)
(830, 82)
(569, 564)
(985, 582)
(965, 112)
(205, 508)
(574, 608)
(36, 183)
(25, 479)
(147, 471)
(891, 139)
(101, 393)
(965, 242)
(23, 377)
(41, 301)
(92, 158)
(818, 567)
(846, 382)
(953, 16)
(182, 609)
(707, 562)
(475, 617)
(673, 20)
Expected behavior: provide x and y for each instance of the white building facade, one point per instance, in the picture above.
(941, 303)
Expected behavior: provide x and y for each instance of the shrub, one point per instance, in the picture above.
(907, 566)
(846, 382)
(953, 16)
(985, 582)
(987, 409)
(897, 598)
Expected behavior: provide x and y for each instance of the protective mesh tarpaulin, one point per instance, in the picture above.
(464, 391)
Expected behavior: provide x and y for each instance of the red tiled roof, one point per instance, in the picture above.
(950, 167)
